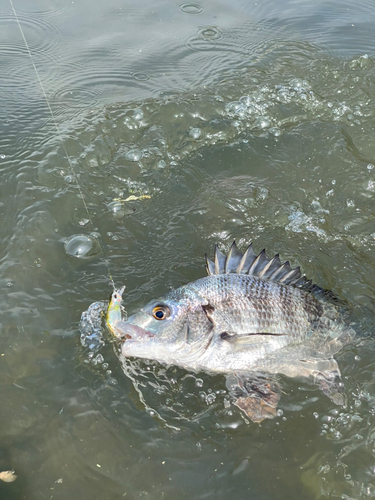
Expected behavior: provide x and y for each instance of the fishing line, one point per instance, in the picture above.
(71, 168)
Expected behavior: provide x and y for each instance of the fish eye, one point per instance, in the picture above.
(161, 312)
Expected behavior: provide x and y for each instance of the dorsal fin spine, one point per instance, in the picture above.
(220, 260)
(267, 266)
(246, 260)
(261, 266)
(254, 264)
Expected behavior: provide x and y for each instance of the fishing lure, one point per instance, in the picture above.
(114, 312)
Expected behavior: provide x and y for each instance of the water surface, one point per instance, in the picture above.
(221, 121)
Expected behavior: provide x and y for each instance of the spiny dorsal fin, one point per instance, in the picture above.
(262, 266)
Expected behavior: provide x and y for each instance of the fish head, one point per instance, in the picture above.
(173, 329)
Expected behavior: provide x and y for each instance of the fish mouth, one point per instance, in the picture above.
(134, 332)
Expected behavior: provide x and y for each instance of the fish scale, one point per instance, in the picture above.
(263, 306)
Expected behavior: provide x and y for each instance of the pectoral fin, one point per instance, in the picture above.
(257, 396)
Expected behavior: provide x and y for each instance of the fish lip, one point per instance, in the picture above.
(134, 332)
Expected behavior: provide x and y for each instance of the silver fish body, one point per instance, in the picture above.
(250, 313)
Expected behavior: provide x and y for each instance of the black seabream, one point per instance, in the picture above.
(251, 318)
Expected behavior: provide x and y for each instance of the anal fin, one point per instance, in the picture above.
(330, 383)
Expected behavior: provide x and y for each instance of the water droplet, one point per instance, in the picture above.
(134, 155)
(162, 164)
(191, 8)
(279, 413)
(195, 133)
(68, 179)
(350, 203)
(83, 222)
(315, 414)
(81, 246)
(370, 166)
(2, 157)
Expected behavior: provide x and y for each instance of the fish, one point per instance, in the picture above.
(251, 318)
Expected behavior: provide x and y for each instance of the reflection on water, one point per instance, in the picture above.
(186, 125)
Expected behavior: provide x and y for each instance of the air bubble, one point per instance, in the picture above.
(134, 155)
(191, 8)
(298, 84)
(141, 77)
(115, 206)
(199, 382)
(210, 398)
(119, 210)
(195, 133)
(210, 33)
(138, 114)
(233, 107)
(162, 164)
(246, 100)
(262, 122)
(275, 131)
(81, 246)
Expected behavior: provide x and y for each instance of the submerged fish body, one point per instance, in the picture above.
(250, 314)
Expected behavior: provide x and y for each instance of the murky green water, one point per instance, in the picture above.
(229, 120)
